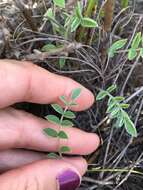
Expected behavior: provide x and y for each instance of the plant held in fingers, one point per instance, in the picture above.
(63, 121)
(116, 110)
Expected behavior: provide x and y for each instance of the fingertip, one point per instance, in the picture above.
(86, 100)
(79, 163)
(93, 143)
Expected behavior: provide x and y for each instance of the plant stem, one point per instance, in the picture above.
(114, 170)
(108, 12)
(60, 128)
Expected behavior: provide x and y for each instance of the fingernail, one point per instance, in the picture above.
(68, 180)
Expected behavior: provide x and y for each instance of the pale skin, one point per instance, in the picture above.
(29, 169)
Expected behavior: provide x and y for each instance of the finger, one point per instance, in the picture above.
(19, 129)
(24, 81)
(45, 175)
(11, 159)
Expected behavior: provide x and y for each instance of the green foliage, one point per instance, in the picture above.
(116, 46)
(135, 50)
(67, 123)
(88, 22)
(124, 3)
(132, 54)
(116, 110)
(59, 3)
(57, 108)
(51, 132)
(141, 52)
(62, 135)
(64, 23)
(65, 149)
(65, 113)
(53, 156)
(75, 93)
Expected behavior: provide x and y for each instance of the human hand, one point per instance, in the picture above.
(29, 169)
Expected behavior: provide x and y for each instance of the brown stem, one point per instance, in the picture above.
(108, 12)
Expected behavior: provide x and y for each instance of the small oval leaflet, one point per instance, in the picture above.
(62, 135)
(101, 95)
(65, 149)
(69, 114)
(88, 22)
(53, 119)
(67, 123)
(75, 93)
(51, 132)
(57, 108)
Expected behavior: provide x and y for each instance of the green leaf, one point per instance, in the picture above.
(124, 3)
(111, 107)
(119, 98)
(51, 132)
(114, 112)
(59, 3)
(69, 114)
(65, 149)
(132, 54)
(111, 88)
(101, 95)
(124, 106)
(88, 22)
(49, 14)
(119, 122)
(73, 104)
(75, 24)
(62, 62)
(79, 10)
(116, 46)
(67, 123)
(129, 125)
(75, 93)
(53, 156)
(141, 52)
(53, 119)
(57, 108)
(63, 99)
(48, 48)
(136, 41)
(62, 135)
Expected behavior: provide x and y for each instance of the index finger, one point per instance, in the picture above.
(24, 81)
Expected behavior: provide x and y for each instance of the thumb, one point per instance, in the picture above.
(45, 175)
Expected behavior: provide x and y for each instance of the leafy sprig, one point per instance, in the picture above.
(70, 23)
(116, 110)
(135, 49)
(63, 121)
